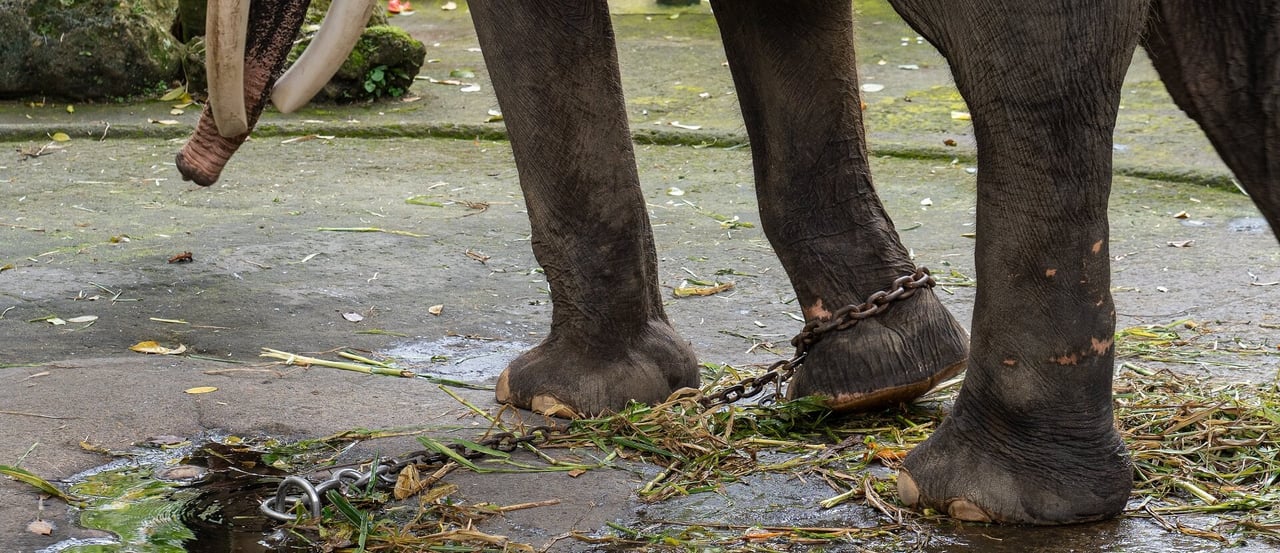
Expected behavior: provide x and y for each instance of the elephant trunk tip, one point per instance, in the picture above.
(192, 169)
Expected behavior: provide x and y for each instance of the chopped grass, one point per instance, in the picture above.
(1200, 448)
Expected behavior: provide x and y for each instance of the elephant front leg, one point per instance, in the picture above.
(555, 73)
(1031, 438)
(796, 79)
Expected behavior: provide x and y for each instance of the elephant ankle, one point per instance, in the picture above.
(982, 472)
(886, 359)
(563, 377)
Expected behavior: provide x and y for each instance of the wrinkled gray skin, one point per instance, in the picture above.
(1031, 436)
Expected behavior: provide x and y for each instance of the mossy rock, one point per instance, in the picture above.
(86, 49)
(382, 65)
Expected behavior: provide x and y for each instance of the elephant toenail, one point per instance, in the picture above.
(551, 406)
(502, 390)
(907, 490)
(963, 509)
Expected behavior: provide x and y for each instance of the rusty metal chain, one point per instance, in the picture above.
(383, 473)
(844, 318)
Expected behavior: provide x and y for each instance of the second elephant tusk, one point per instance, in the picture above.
(341, 28)
(227, 23)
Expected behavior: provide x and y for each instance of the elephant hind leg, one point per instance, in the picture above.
(796, 80)
(1220, 62)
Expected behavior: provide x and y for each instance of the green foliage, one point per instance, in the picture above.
(378, 82)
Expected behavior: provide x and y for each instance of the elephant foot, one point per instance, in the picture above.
(885, 360)
(568, 378)
(986, 471)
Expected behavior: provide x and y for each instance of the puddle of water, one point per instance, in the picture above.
(471, 360)
(199, 497)
(1249, 225)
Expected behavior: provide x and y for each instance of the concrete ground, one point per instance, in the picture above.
(87, 228)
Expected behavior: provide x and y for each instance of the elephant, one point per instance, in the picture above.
(1031, 436)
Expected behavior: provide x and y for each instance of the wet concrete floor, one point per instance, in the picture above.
(89, 230)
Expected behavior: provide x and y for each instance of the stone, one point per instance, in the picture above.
(87, 49)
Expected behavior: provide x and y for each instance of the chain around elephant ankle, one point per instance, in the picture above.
(848, 316)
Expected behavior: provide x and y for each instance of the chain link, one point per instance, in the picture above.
(385, 471)
(843, 319)
(296, 489)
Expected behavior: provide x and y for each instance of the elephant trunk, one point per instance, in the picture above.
(273, 24)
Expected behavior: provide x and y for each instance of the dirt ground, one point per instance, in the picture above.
(89, 231)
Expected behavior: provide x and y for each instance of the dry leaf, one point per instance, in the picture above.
(407, 483)
(435, 309)
(83, 319)
(353, 317)
(162, 121)
(961, 116)
(686, 290)
(680, 125)
(1181, 215)
(1182, 244)
(449, 6)
(576, 473)
(176, 111)
(42, 527)
(55, 321)
(200, 390)
(150, 346)
(59, 137)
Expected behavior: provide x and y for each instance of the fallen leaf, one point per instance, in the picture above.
(494, 116)
(949, 142)
(470, 88)
(176, 111)
(59, 137)
(71, 108)
(353, 317)
(1181, 215)
(176, 94)
(42, 527)
(686, 290)
(83, 319)
(872, 87)
(680, 125)
(435, 309)
(449, 6)
(150, 346)
(408, 484)
(673, 191)
(576, 473)
(926, 202)
(961, 116)
(200, 390)
(162, 121)
(55, 321)
(1181, 244)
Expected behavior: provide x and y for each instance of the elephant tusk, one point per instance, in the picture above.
(227, 23)
(341, 28)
